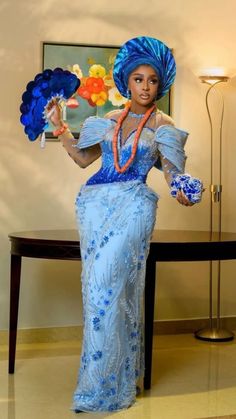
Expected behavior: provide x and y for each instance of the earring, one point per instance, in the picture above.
(128, 94)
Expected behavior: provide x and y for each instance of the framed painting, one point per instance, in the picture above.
(97, 94)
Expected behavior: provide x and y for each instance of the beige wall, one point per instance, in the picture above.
(38, 187)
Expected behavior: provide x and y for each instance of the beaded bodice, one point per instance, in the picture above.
(160, 146)
(145, 158)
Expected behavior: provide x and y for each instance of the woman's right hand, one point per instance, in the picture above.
(54, 113)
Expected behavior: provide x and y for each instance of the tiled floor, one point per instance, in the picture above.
(191, 380)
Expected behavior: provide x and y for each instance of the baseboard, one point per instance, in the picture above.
(44, 335)
(161, 327)
(174, 327)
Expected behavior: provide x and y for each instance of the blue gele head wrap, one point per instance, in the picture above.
(140, 51)
(57, 83)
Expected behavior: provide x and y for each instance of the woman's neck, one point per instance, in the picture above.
(139, 109)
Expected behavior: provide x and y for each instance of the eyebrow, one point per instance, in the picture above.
(141, 74)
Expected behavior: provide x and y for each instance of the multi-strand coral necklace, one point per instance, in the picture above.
(136, 138)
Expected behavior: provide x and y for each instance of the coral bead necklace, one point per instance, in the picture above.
(136, 138)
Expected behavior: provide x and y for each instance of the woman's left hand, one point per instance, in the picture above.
(182, 199)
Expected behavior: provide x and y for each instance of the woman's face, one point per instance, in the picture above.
(143, 84)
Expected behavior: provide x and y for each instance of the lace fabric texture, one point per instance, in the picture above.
(116, 215)
(115, 222)
(130, 124)
(169, 169)
(157, 142)
(161, 145)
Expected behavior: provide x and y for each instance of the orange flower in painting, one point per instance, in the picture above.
(94, 84)
(84, 93)
(99, 98)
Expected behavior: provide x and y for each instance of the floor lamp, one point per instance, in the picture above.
(215, 332)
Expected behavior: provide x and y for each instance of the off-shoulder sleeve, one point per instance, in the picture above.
(93, 131)
(171, 142)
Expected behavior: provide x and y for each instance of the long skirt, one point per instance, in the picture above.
(115, 223)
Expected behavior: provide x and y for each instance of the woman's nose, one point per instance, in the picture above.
(145, 85)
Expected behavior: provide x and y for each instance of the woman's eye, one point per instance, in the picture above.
(153, 81)
(138, 80)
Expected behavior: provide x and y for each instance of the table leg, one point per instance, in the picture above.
(149, 316)
(14, 304)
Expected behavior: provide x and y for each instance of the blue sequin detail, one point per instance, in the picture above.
(96, 356)
(110, 175)
(45, 86)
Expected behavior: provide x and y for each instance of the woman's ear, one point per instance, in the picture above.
(128, 93)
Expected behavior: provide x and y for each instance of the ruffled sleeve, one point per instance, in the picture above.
(93, 131)
(171, 160)
(171, 142)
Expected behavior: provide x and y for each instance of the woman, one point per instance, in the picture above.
(116, 213)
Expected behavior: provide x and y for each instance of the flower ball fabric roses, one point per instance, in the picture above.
(191, 187)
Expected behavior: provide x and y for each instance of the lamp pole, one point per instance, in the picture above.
(215, 332)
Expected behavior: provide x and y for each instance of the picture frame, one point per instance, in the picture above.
(87, 61)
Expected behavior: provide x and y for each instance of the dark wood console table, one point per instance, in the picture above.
(168, 245)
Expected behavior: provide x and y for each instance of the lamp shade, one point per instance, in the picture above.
(212, 79)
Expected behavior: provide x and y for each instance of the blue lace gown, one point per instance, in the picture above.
(116, 215)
